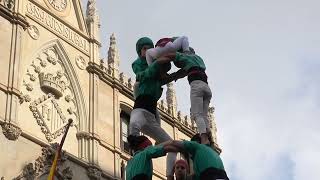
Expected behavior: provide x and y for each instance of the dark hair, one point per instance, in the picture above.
(196, 138)
(142, 42)
(192, 50)
(135, 141)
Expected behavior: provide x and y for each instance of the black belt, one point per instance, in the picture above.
(146, 102)
(213, 173)
(141, 177)
(196, 73)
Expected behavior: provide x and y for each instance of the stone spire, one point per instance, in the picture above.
(113, 55)
(171, 97)
(212, 122)
(93, 20)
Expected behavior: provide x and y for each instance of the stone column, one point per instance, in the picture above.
(93, 118)
(10, 124)
(117, 132)
(89, 141)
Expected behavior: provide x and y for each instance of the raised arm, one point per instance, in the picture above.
(173, 146)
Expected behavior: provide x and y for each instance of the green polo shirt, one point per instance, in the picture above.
(141, 162)
(203, 157)
(189, 61)
(148, 77)
(140, 64)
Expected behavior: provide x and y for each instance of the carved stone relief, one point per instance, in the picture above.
(10, 131)
(28, 173)
(49, 93)
(33, 32)
(49, 116)
(81, 62)
(9, 4)
(59, 7)
(94, 173)
(41, 167)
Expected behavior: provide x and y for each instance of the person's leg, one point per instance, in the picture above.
(153, 129)
(196, 98)
(206, 101)
(137, 121)
(181, 42)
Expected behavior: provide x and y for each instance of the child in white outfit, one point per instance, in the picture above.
(164, 46)
(167, 45)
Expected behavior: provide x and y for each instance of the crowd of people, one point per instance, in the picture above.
(151, 70)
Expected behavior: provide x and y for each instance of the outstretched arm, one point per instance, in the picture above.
(174, 76)
(173, 146)
(163, 60)
(166, 58)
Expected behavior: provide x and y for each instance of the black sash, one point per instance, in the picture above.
(146, 102)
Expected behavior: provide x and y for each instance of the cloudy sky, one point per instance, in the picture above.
(263, 63)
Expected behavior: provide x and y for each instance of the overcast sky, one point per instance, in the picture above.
(263, 63)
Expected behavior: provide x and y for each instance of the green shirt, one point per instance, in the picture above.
(148, 77)
(139, 65)
(141, 162)
(189, 61)
(203, 157)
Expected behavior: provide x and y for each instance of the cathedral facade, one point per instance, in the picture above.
(51, 72)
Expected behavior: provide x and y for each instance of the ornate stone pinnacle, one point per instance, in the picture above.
(212, 123)
(113, 53)
(171, 96)
(91, 10)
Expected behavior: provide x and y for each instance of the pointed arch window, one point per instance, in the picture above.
(125, 120)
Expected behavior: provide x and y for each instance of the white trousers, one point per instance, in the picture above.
(144, 121)
(200, 96)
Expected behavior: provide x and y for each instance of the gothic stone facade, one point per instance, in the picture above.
(51, 72)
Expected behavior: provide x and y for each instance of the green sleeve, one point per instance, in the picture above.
(136, 67)
(149, 73)
(178, 56)
(155, 151)
(190, 146)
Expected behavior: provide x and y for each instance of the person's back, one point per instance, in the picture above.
(203, 156)
(189, 61)
(140, 167)
(207, 163)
